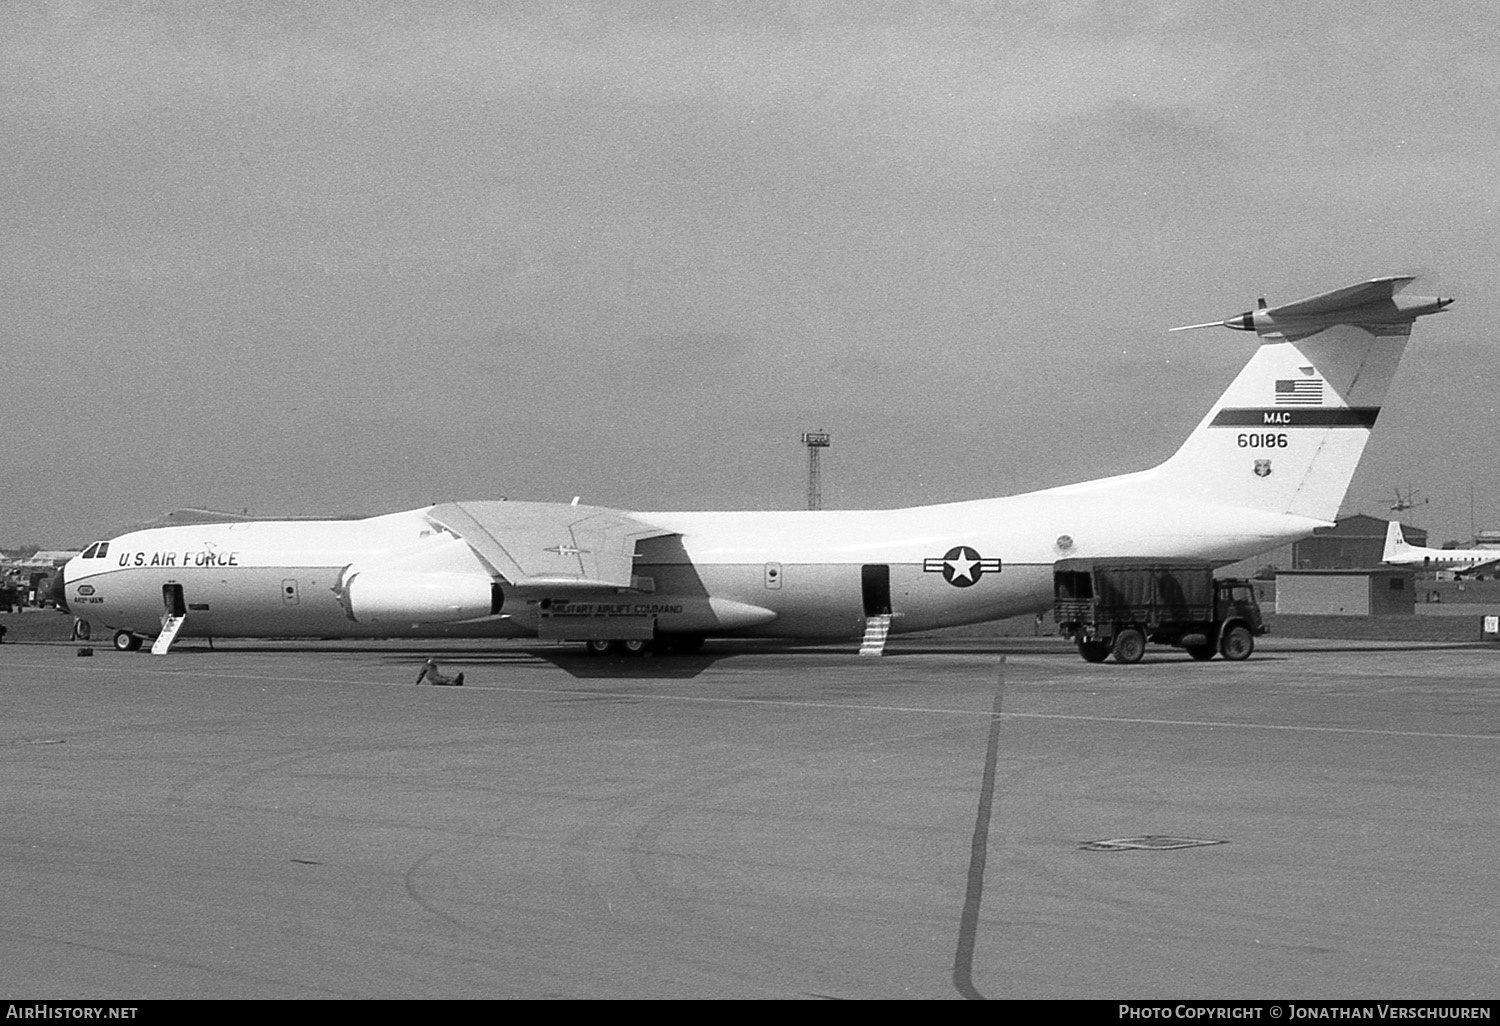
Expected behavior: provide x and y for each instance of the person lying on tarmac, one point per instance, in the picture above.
(432, 675)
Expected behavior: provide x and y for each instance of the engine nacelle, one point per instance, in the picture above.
(412, 596)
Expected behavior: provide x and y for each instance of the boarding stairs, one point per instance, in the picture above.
(876, 630)
(170, 625)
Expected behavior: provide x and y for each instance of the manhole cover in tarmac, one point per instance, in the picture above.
(1150, 842)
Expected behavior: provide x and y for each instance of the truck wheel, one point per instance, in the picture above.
(599, 646)
(1130, 645)
(1093, 651)
(1203, 652)
(1237, 644)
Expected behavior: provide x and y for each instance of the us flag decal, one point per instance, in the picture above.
(1299, 392)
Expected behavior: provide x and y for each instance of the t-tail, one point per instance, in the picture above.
(1287, 435)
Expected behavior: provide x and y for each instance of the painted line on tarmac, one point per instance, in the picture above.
(987, 713)
(850, 706)
(1287, 727)
(167, 671)
(979, 846)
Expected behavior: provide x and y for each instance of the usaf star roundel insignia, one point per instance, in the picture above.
(961, 566)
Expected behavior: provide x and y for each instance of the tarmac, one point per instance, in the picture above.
(986, 818)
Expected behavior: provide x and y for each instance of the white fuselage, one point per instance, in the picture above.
(750, 574)
(1458, 560)
(1269, 463)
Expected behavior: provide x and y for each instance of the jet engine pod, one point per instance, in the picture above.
(408, 596)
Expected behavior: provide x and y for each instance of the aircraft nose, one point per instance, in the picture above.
(58, 592)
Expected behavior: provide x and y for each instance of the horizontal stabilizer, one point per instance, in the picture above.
(1372, 305)
(1372, 291)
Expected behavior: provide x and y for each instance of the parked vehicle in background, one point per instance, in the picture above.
(1115, 606)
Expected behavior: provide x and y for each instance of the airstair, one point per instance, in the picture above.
(170, 625)
(876, 630)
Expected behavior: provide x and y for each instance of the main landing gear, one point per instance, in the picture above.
(637, 646)
(600, 647)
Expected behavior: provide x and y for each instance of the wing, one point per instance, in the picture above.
(1477, 567)
(551, 544)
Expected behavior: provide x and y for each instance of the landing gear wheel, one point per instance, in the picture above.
(127, 642)
(1202, 653)
(599, 646)
(1130, 645)
(1093, 651)
(1237, 644)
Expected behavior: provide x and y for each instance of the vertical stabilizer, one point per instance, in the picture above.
(1288, 433)
(1395, 543)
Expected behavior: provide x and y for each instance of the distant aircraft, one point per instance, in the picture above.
(1461, 561)
(1404, 503)
(1268, 464)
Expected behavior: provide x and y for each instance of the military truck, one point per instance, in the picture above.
(1114, 606)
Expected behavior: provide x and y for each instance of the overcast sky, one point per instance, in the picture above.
(298, 258)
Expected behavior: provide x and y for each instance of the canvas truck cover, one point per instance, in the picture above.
(1124, 589)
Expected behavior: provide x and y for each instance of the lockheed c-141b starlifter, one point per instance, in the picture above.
(1268, 464)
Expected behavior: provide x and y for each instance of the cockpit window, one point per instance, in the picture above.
(89, 552)
(103, 550)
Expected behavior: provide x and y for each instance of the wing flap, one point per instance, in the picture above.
(550, 544)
